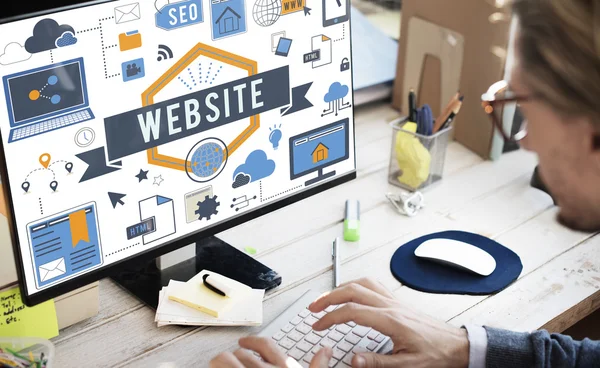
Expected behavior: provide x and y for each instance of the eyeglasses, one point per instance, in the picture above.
(499, 101)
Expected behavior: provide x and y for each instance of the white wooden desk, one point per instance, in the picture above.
(559, 284)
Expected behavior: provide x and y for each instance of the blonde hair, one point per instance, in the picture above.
(559, 47)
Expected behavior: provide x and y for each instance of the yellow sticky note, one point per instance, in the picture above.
(18, 320)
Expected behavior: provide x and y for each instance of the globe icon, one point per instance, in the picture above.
(207, 159)
(266, 12)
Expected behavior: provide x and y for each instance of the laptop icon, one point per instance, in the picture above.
(45, 99)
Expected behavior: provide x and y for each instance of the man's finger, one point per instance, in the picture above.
(372, 284)
(322, 358)
(379, 360)
(225, 360)
(350, 293)
(266, 348)
(248, 359)
(376, 318)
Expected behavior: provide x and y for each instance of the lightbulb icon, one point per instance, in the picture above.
(275, 136)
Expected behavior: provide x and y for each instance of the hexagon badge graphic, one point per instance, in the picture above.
(202, 67)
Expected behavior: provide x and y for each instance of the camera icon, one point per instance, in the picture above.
(133, 69)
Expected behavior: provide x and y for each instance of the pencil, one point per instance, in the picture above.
(453, 114)
(447, 111)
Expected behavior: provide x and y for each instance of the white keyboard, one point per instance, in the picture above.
(295, 337)
(52, 124)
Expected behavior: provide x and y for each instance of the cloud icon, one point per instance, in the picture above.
(67, 39)
(240, 180)
(336, 92)
(14, 53)
(256, 167)
(46, 34)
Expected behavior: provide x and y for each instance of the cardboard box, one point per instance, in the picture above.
(482, 64)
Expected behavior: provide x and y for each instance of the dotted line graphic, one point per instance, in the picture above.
(41, 207)
(55, 162)
(41, 169)
(104, 48)
(51, 57)
(278, 194)
(122, 249)
(184, 83)
(110, 47)
(343, 33)
(88, 30)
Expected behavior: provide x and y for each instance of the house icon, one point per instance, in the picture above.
(228, 21)
(321, 153)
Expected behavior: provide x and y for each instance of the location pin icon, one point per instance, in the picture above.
(54, 185)
(25, 186)
(69, 167)
(45, 160)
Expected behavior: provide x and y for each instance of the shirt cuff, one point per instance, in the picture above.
(478, 341)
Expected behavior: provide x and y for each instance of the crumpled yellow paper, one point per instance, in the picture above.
(413, 158)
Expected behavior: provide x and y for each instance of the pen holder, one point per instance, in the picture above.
(27, 347)
(416, 161)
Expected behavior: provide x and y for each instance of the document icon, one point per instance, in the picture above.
(65, 244)
(52, 269)
(163, 211)
(130, 40)
(127, 13)
(322, 44)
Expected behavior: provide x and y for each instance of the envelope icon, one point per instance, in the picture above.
(52, 269)
(127, 13)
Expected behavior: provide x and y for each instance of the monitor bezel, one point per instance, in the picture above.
(346, 122)
(85, 104)
(106, 271)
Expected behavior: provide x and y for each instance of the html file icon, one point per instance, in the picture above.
(321, 43)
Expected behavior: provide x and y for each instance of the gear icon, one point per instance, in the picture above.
(207, 207)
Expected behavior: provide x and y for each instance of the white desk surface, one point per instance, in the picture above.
(559, 284)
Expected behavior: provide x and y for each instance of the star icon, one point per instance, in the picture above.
(143, 175)
(158, 180)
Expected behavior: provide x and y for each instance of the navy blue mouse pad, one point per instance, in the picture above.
(431, 277)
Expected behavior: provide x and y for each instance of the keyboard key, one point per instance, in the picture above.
(372, 334)
(287, 328)
(305, 313)
(303, 328)
(380, 338)
(316, 349)
(305, 346)
(279, 335)
(359, 349)
(348, 358)
(321, 333)
(345, 346)
(353, 339)
(372, 346)
(310, 320)
(330, 309)
(287, 343)
(296, 320)
(338, 354)
(328, 342)
(351, 324)
(304, 364)
(319, 315)
(332, 363)
(343, 329)
(312, 338)
(332, 327)
(335, 336)
(342, 365)
(296, 353)
(295, 335)
(361, 331)
(308, 357)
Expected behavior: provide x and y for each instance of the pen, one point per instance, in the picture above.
(444, 115)
(336, 262)
(412, 106)
(452, 114)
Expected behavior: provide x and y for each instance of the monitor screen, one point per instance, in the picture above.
(132, 128)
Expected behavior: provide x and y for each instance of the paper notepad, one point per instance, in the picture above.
(196, 295)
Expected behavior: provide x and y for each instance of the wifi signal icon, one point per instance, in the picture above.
(164, 53)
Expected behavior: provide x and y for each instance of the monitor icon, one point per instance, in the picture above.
(45, 99)
(317, 149)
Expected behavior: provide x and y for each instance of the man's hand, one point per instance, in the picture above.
(419, 341)
(270, 353)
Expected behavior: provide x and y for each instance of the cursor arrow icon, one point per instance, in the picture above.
(307, 10)
(115, 198)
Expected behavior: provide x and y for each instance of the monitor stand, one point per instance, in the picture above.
(320, 176)
(144, 280)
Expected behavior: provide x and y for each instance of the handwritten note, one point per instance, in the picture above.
(18, 320)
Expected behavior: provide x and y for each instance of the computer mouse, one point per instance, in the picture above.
(457, 254)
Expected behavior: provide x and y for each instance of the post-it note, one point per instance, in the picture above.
(18, 320)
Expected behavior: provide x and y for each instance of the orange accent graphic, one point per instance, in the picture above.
(79, 228)
(291, 6)
(130, 41)
(45, 159)
(154, 157)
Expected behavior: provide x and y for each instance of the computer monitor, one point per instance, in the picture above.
(195, 102)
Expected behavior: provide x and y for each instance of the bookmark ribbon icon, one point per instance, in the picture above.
(79, 227)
